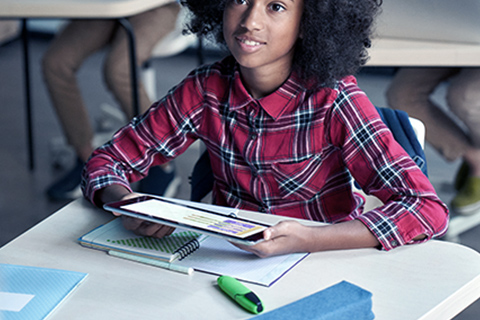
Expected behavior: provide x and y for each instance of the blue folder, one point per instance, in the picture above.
(342, 301)
(42, 290)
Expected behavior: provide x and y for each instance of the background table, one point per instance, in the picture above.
(435, 280)
(78, 9)
(389, 52)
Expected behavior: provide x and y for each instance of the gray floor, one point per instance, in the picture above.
(22, 199)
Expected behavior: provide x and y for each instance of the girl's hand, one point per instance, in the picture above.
(146, 228)
(127, 196)
(290, 236)
(142, 227)
(285, 237)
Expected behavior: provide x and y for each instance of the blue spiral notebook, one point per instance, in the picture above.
(31, 293)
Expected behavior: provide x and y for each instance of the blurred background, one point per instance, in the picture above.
(23, 202)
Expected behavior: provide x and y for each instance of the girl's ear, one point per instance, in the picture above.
(300, 31)
(300, 34)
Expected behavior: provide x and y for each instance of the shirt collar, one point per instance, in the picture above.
(275, 104)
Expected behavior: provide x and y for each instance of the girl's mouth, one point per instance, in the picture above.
(249, 42)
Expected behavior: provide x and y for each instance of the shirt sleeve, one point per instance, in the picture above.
(161, 134)
(383, 169)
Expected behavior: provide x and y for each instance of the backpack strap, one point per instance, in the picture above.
(399, 124)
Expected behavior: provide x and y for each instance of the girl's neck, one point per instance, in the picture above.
(261, 82)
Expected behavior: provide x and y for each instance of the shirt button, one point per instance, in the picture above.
(394, 243)
(262, 209)
(253, 136)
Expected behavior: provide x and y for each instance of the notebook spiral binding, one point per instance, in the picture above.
(187, 248)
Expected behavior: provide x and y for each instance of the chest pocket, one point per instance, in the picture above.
(299, 180)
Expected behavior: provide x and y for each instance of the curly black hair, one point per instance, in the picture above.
(335, 34)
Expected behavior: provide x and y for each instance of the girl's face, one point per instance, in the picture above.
(261, 34)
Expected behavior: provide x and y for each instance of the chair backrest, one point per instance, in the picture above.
(419, 128)
(408, 132)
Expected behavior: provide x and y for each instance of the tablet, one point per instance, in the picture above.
(182, 215)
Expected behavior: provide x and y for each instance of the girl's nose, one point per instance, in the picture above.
(253, 18)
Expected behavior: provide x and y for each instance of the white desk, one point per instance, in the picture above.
(387, 52)
(80, 9)
(76, 8)
(436, 280)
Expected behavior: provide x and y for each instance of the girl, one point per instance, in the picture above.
(286, 127)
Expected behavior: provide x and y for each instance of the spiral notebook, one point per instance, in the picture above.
(113, 236)
(200, 252)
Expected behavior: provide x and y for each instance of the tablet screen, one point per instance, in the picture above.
(201, 219)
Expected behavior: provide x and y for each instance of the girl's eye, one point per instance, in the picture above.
(277, 7)
(240, 2)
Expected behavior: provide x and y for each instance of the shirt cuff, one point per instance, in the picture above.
(383, 228)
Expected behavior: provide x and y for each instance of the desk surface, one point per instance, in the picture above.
(76, 8)
(412, 53)
(428, 281)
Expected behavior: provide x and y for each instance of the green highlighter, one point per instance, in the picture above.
(240, 294)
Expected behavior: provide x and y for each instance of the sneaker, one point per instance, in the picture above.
(462, 176)
(467, 200)
(68, 187)
(161, 181)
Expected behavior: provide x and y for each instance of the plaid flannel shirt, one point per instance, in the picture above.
(291, 153)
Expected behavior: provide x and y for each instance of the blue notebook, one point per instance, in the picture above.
(342, 301)
(32, 292)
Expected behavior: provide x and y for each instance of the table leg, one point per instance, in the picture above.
(28, 102)
(201, 58)
(133, 63)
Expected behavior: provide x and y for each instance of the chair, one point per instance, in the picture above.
(172, 44)
(9, 30)
(419, 129)
(409, 132)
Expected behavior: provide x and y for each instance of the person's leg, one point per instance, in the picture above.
(464, 100)
(149, 27)
(69, 49)
(410, 91)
